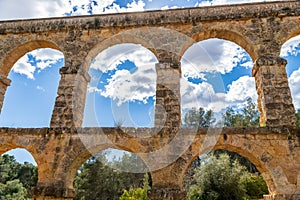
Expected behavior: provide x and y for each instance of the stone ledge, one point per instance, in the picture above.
(148, 131)
(186, 15)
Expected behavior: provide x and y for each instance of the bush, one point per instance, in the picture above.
(255, 185)
(137, 193)
(218, 179)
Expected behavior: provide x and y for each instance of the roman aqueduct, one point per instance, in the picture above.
(60, 149)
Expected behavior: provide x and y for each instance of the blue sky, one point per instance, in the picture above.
(215, 73)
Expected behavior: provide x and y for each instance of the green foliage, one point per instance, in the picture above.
(221, 178)
(13, 190)
(218, 179)
(137, 193)
(16, 180)
(246, 117)
(255, 185)
(298, 117)
(199, 118)
(235, 156)
(95, 179)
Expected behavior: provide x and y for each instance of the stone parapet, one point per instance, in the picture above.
(191, 15)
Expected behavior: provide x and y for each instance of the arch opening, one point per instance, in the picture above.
(19, 173)
(108, 173)
(223, 173)
(122, 88)
(217, 77)
(30, 99)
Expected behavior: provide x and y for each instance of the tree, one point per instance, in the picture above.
(218, 179)
(298, 117)
(245, 117)
(255, 185)
(16, 180)
(199, 118)
(13, 190)
(137, 193)
(235, 156)
(96, 179)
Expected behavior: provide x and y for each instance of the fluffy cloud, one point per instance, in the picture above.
(17, 9)
(204, 95)
(294, 82)
(224, 2)
(124, 85)
(24, 67)
(291, 47)
(129, 87)
(213, 55)
(110, 58)
(37, 60)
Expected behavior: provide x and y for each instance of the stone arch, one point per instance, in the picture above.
(253, 157)
(84, 152)
(121, 38)
(12, 142)
(224, 34)
(286, 34)
(15, 54)
(13, 57)
(119, 45)
(23, 150)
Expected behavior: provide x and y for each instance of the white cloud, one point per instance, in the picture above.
(213, 55)
(291, 47)
(19, 9)
(125, 86)
(24, 67)
(167, 7)
(240, 89)
(129, 87)
(40, 88)
(85, 7)
(204, 95)
(43, 58)
(110, 58)
(224, 2)
(294, 82)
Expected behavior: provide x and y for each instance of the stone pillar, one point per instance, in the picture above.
(4, 83)
(274, 96)
(167, 108)
(70, 101)
(166, 182)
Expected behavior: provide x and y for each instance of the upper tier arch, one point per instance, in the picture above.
(126, 37)
(224, 34)
(17, 52)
